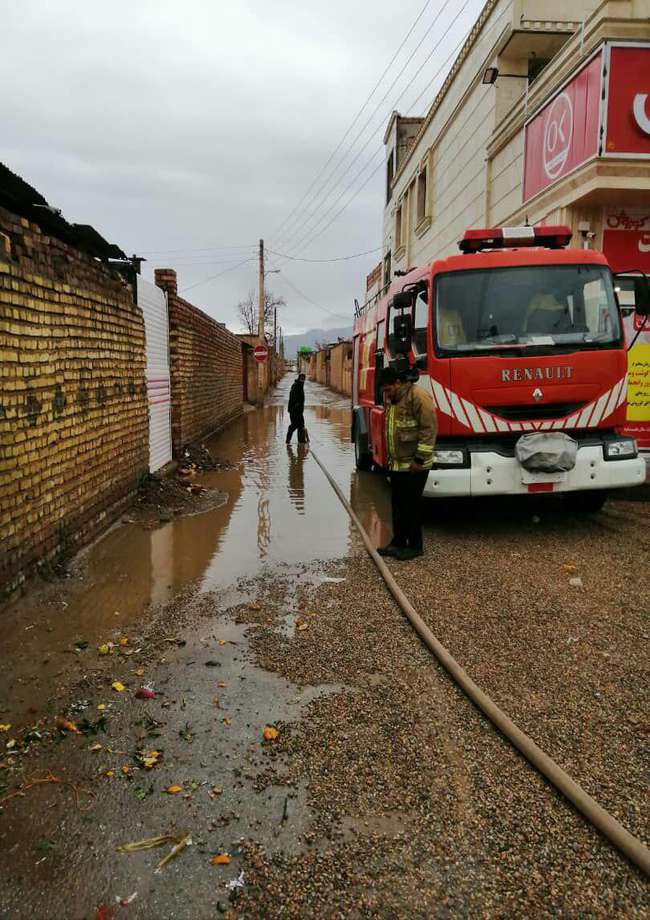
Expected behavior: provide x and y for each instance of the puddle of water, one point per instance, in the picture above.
(280, 511)
(209, 725)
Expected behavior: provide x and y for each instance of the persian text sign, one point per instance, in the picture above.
(565, 132)
(628, 102)
(626, 239)
(626, 243)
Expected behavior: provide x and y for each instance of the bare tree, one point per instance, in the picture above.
(248, 311)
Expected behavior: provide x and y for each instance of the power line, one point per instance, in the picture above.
(356, 255)
(305, 228)
(318, 306)
(209, 262)
(205, 249)
(313, 233)
(354, 120)
(317, 199)
(212, 277)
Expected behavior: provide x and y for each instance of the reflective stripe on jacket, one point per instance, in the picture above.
(411, 427)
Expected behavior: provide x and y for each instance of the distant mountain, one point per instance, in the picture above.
(293, 342)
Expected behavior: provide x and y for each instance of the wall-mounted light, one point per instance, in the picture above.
(491, 74)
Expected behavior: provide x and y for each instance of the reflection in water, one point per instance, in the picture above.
(263, 526)
(265, 522)
(297, 476)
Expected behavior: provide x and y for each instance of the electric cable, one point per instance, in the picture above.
(218, 275)
(318, 306)
(356, 255)
(315, 199)
(314, 233)
(355, 119)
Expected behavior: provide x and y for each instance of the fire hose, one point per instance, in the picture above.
(601, 819)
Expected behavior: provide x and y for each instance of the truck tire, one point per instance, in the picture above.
(587, 502)
(362, 459)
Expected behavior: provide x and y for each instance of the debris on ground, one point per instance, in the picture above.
(148, 761)
(221, 859)
(270, 733)
(198, 456)
(160, 500)
(145, 693)
(174, 852)
(65, 725)
(236, 883)
(148, 843)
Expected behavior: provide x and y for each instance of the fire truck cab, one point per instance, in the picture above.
(518, 334)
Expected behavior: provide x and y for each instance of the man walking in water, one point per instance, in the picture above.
(296, 410)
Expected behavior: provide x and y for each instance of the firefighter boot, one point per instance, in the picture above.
(391, 550)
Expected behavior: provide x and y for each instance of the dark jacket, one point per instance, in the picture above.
(297, 397)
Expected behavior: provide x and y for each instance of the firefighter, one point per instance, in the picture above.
(296, 410)
(411, 427)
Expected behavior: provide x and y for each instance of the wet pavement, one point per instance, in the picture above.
(279, 513)
(261, 613)
(147, 584)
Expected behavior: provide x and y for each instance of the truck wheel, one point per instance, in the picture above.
(362, 460)
(587, 502)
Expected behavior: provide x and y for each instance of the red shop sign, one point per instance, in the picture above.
(628, 101)
(626, 239)
(564, 133)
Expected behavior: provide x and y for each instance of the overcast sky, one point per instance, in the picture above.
(179, 129)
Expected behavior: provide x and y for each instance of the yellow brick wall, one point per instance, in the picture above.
(73, 409)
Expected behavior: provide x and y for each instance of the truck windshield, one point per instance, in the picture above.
(531, 306)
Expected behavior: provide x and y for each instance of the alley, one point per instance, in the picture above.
(294, 725)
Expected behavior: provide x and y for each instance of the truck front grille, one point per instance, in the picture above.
(528, 412)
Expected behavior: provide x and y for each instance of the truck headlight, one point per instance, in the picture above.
(449, 457)
(620, 450)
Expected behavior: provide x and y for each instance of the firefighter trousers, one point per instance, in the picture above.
(406, 501)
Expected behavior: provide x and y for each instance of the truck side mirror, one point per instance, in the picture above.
(403, 333)
(402, 301)
(642, 295)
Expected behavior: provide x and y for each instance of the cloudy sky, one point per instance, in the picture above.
(185, 132)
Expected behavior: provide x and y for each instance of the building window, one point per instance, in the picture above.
(398, 228)
(387, 269)
(390, 172)
(423, 182)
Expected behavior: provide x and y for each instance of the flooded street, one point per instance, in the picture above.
(240, 678)
(279, 513)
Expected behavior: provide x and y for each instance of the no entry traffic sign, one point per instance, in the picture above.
(261, 353)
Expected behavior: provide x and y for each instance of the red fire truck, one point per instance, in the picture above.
(517, 334)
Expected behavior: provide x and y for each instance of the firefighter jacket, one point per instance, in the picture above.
(411, 427)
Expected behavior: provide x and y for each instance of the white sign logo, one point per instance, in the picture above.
(537, 394)
(558, 135)
(642, 119)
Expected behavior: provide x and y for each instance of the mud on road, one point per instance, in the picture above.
(384, 792)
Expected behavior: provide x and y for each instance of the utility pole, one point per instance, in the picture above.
(275, 345)
(260, 328)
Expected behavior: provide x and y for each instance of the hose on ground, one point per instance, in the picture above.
(627, 843)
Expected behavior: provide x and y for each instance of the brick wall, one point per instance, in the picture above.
(341, 367)
(73, 411)
(206, 369)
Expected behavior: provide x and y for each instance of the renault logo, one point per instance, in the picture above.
(537, 394)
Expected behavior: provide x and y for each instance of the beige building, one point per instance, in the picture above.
(562, 135)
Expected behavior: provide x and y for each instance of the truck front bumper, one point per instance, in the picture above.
(491, 473)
